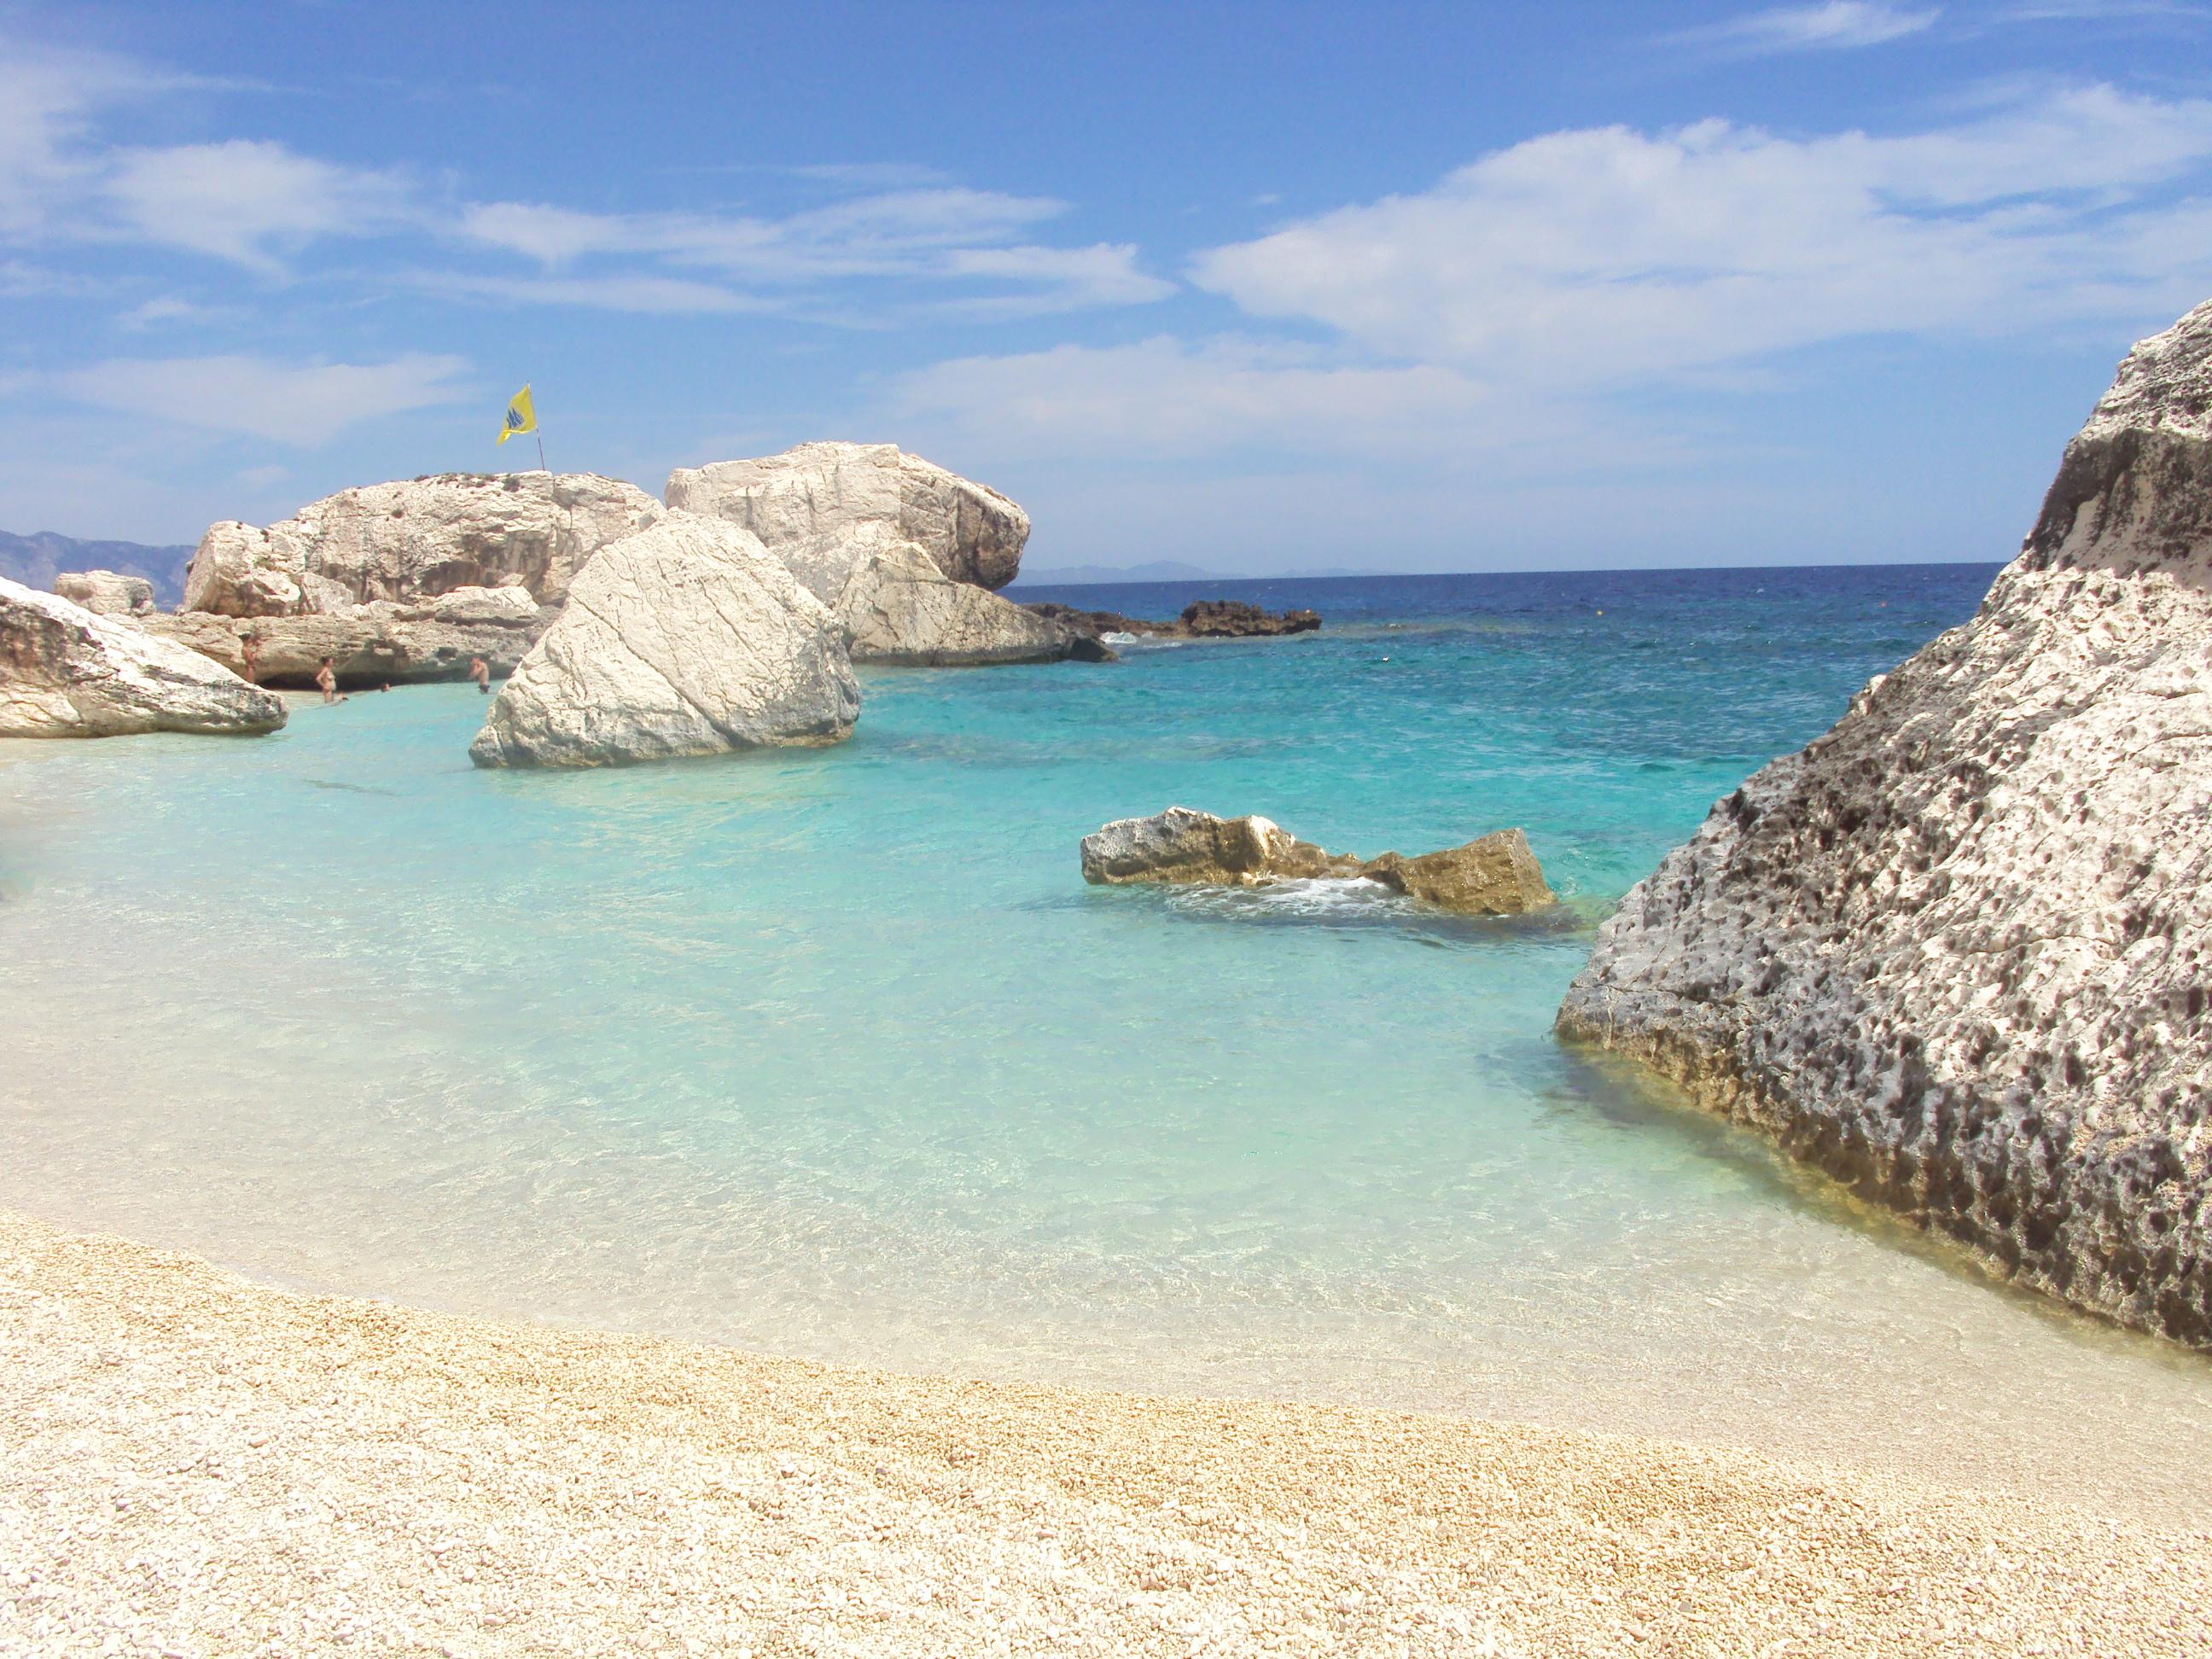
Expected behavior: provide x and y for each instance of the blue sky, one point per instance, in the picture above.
(1260, 287)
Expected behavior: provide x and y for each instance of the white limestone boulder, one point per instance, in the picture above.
(106, 592)
(687, 638)
(416, 539)
(66, 671)
(897, 607)
(1957, 952)
(803, 503)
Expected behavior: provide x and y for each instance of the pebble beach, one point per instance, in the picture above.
(198, 1465)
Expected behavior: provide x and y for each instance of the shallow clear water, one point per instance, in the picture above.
(832, 1052)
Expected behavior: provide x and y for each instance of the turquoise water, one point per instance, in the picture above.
(832, 1052)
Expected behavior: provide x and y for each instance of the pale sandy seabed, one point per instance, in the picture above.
(193, 1464)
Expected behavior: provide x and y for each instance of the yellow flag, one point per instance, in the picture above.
(521, 417)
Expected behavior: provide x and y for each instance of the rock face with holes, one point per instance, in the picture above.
(687, 638)
(369, 645)
(407, 541)
(803, 503)
(1957, 952)
(106, 592)
(66, 671)
(898, 607)
(1494, 876)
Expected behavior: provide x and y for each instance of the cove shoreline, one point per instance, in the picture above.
(201, 1464)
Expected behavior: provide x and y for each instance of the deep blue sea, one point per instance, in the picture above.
(832, 1052)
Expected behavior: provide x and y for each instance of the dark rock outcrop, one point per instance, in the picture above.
(1205, 619)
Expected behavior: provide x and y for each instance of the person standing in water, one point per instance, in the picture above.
(480, 671)
(327, 678)
(249, 646)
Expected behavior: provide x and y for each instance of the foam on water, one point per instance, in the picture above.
(831, 1053)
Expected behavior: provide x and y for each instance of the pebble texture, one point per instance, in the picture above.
(412, 540)
(803, 503)
(898, 607)
(68, 672)
(1958, 951)
(688, 638)
(379, 644)
(1496, 875)
(106, 592)
(191, 1465)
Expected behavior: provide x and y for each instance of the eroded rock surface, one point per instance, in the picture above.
(66, 671)
(409, 541)
(1959, 950)
(106, 593)
(1496, 875)
(371, 645)
(687, 638)
(805, 503)
(898, 607)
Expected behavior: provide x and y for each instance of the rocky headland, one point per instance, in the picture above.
(1494, 876)
(685, 638)
(402, 581)
(1203, 619)
(908, 554)
(1956, 951)
(66, 671)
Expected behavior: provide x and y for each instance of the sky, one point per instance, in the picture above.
(1261, 287)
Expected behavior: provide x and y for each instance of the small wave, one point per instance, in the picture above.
(1336, 899)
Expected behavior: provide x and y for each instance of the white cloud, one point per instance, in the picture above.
(300, 404)
(1169, 400)
(246, 200)
(1831, 26)
(646, 295)
(1608, 255)
(1061, 278)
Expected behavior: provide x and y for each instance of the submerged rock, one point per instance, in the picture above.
(687, 638)
(106, 593)
(1956, 951)
(1496, 875)
(805, 503)
(408, 541)
(1204, 619)
(898, 607)
(371, 644)
(66, 671)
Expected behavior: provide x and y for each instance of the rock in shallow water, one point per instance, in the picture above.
(803, 503)
(688, 638)
(897, 607)
(1959, 950)
(68, 672)
(371, 645)
(1496, 875)
(416, 538)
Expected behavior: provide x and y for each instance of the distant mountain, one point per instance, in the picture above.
(1160, 570)
(1081, 575)
(36, 560)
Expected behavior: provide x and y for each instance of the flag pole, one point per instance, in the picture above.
(541, 467)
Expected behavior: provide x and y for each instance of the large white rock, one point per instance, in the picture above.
(412, 540)
(106, 592)
(1958, 951)
(370, 645)
(805, 503)
(68, 673)
(897, 607)
(688, 638)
